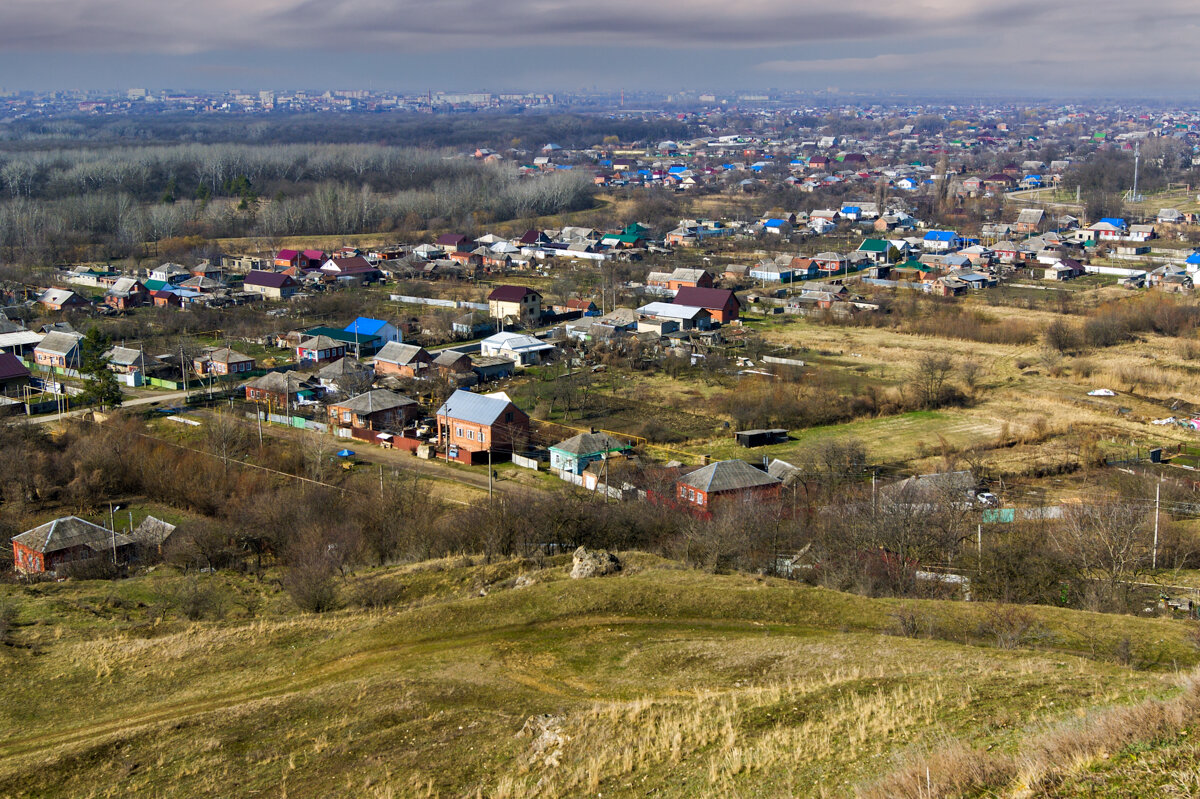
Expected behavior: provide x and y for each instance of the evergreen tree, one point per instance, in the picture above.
(102, 389)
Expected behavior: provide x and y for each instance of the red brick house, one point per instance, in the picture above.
(471, 425)
(724, 481)
(402, 360)
(223, 361)
(58, 349)
(723, 304)
(127, 292)
(277, 389)
(67, 540)
(377, 409)
(165, 299)
(62, 300)
(683, 278)
(288, 259)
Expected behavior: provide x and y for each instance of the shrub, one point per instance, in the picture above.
(376, 594)
(8, 623)
(90, 569)
(1061, 337)
(1007, 625)
(311, 585)
(197, 600)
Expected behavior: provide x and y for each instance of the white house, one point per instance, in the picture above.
(523, 349)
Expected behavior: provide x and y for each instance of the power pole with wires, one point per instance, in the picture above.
(1154, 548)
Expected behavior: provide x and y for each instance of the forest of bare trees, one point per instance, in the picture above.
(67, 204)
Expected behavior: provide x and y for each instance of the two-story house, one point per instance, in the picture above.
(510, 305)
(472, 425)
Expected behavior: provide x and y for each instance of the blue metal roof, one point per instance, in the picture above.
(1114, 221)
(940, 235)
(365, 326)
(475, 408)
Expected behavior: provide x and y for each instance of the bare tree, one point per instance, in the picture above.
(1106, 545)
(226, 436)
(930, 378)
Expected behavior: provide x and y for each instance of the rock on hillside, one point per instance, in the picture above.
(593, 563)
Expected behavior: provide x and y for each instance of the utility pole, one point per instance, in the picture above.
(606, 478)
(489, 473)
(381, 480)
(1154, 549)
(112, 528)
(258, 415)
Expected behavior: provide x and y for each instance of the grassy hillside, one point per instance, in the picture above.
(656, 681)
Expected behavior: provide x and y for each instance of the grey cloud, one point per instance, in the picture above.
(174, 26)
(905, 42)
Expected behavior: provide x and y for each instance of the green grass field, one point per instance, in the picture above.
(658, 681)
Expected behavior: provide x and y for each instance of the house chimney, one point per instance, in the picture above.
(704, 460)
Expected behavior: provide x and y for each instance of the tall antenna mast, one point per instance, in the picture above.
(1137, 157)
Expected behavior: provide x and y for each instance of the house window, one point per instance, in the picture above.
(480, 436)
(471, 435)
(458, 432)
(345, 416)
(682, 492)
(691, 495)
(699, 499)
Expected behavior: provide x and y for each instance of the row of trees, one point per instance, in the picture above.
(497, 131)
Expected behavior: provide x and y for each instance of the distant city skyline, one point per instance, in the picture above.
(1007, 47)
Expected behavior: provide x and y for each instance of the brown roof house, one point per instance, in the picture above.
(378, 409)
(272, 285)
(222, 361)
(723, 304)
(13, 374)
(515, 305)
(279, 389)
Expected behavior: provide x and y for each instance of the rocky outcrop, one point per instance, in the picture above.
(593, 563)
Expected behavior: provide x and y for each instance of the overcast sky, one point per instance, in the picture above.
(1010, 47)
